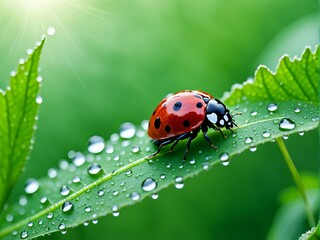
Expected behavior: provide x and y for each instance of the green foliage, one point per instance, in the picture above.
(18, 111)
(109, 177)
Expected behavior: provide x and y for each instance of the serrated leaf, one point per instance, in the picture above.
(18, 110)
(117, 173)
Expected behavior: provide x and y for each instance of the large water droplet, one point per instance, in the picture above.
(115, 210)
(178, 182)
(32, 185)
(248, 140)
(225, 159)
(148, 184)
(135, 196)
(64, 190)
(96, 144)
(39, 99)
(94, 169)
(78, 159)
(127, 130)
(109, 149)
(24, 234)
(67, 207)
(286, 124)
(87, 209)
(272, 107)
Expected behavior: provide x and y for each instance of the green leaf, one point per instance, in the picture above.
(18, 111)
(118, 173)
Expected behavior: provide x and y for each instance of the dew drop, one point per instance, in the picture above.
(39, 99)
(145, 124)
(178, 183)
(253, 113)
(285, 137)
(192, 161)
(253, 148)
(43, 200)
(64, 190)
(12, 73)
(205, 166)
(127, 130)
(29, 51)
(96, 144)
(23, 201)
(67, 207)
(135, 196)
(155, 196)
(78, 159)
(51, 31)
(149, 184)
(301, 133)
(62, 227)
(30, 224)
(9, 218)
(39, 79)
(225, 159)
(272, 107)
(76, 179)
(114, 137)
(95, 221)
(87, 209)
(115, 210)
(116, 157)
(266, 134)
(109, 149)
(162, 176)
(94, 169)
(100, 193)
(286, 124)
(115, 193)
(248, 140)
(52, 173)
(50, 215)
(128, 173)
(32, 185)
(297, 110)
(135, 149)
(24, 234)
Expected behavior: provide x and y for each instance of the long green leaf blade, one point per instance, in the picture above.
(18, 110)
(117, 173)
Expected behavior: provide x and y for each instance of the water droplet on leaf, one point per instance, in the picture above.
(286, 124)
(67, 207)
(248, 140)
(135, 196)
(127, 130)
(51, 31)
(266, 134)
(225, 159)
(148, 184)
(179, 182)
(96, 144)
(32, 185)
(24, 234)
(78, 159)
(94, 169)
(64, 190)
(272, 107)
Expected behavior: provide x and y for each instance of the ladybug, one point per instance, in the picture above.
(183, 114)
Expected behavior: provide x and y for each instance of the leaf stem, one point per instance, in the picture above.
(297, 179)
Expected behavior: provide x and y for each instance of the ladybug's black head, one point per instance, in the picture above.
(218, 114)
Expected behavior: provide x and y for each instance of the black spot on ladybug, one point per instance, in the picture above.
(186, 123)
(199, 105)
(167, 128)
(177, 106)
(157, 123)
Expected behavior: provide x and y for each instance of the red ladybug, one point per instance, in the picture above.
(182, 115)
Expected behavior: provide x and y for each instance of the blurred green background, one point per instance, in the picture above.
(112, 61)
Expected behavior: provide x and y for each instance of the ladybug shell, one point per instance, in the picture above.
(177, 114)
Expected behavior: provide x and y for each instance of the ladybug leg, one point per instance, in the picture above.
(191, 137)
(181, 137)
(161, 144)
(208, 139)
